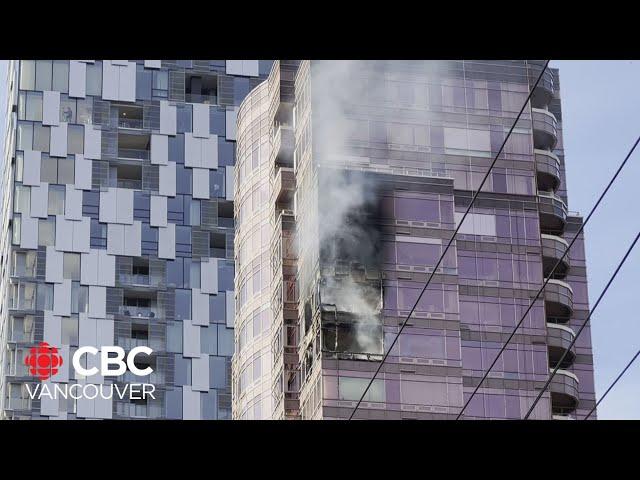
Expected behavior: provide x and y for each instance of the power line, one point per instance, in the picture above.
(602, 195)
(613, 384)
(584, 324)
(526, 102)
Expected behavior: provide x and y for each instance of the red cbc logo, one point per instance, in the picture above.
(43, 361)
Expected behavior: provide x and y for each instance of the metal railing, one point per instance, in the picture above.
(133, 153)
(135, 123)
(143, 312)
(196, 98)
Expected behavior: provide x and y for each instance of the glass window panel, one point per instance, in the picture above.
(27, 74)
(33, 108)
(84, 110)
(66, 171)
(24, 139)
(70, 330)
(56, 200)
(94, 79)
(183, 304)
(61, 76)
(22, 199)
(75, 139)
(67, 109)
(44, 74)
(46, 232)
(71, 266)
(48, 169)
(41, 136)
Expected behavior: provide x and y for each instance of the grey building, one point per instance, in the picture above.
(117, 228)
(350, 179)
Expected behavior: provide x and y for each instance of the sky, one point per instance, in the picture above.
(600, 106)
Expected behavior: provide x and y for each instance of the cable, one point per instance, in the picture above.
(584, 324)
(613, 384)
(593, 209)
(526, 102)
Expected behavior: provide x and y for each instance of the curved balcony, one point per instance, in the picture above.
(543, 94)
(547, 170)
(564, 392)
(553, 248)
(553, 212)
(558, 300)
(545, 129)
(559, 338)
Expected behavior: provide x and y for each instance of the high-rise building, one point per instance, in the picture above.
(117, 229)
(349, 181)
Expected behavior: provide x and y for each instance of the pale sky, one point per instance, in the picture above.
(600, 105)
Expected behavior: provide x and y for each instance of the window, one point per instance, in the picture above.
(24, 264)
(27, 75)
(22, 329)
(47, 232)
(183, 304)
(70, 330)
(30, 106)
(75, 139)
(44, 300)
(19, 166)
(41, 136)
(352, 388)
(94, 79)
(57, 170)
(22, 199)
(71, 266)
(85, 110)
(17, 227)
(66, 171)
(160, 84)
(44, 74)
(56, 200)
(67, 109)
(61, 76)
(24, 140)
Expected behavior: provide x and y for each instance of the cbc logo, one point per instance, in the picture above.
(44, 361)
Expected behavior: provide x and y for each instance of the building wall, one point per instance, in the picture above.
(118, 223)
(422, 135)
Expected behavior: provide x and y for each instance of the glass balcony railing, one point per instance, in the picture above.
(134, 123)
(133, 154)
(142, 312)
(128, 343)
(197, 98)
(545, 129)
(131, 410)
(130, 184)
(547, 170)
(553, 248)
(564, 392)
(135, 279)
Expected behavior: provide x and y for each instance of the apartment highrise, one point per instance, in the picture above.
(117, 228)
(350, 179)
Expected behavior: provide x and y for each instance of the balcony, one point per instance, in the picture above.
(564, 392)
(553, 213)
(545, 129)
(283, 142)
(128, 343)
(284, 185)
(137, 280)
(558, 300)
(547, 170)
(198, 98)
(559, 337)
(133, 154)
(139, 312)
(553, 247)
(543, 94)
(563, 417)
(132, 410)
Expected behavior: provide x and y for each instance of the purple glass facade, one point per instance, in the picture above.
(386, 157)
